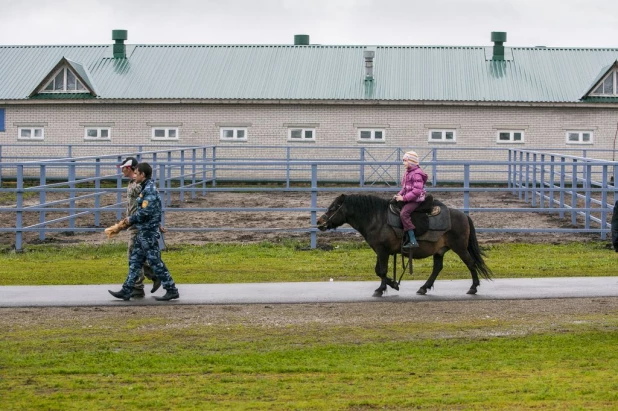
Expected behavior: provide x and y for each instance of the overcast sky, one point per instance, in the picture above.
(552, 23)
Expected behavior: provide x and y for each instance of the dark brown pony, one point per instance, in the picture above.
(368, 215)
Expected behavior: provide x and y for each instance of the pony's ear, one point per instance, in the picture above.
(341, 198)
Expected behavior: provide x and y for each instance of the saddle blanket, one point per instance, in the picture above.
(429, 227)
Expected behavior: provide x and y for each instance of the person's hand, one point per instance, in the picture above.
(162, 229)
(399, 198)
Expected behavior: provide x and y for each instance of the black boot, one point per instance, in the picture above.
(138, 292)
(171, 294)
(156, 283)
(120, 294)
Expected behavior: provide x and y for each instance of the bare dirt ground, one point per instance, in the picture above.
(530, 314)
(491, 318)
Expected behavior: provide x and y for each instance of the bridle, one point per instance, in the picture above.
(331, 216)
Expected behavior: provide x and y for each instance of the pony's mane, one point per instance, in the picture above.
(366, 204)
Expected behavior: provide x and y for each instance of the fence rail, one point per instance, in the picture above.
(574, 187)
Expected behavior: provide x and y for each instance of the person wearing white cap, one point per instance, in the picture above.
(128, 167)
(412, 193)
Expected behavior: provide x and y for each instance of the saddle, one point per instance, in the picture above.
(431, 218)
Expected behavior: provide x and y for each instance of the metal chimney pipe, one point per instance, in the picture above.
(499, 38)
(369, 55)
(120, 50)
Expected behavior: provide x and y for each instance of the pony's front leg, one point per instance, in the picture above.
(438, 263)
(381, 269)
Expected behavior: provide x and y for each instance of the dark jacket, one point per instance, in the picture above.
(148, 214)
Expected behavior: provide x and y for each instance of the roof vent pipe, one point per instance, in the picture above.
(498, 37)
(369, 55)
(301, 39)
(120, 50)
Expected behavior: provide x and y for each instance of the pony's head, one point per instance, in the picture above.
(334, 216)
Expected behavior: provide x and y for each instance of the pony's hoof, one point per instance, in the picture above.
(378, 293)
(471, 291)
(394, 286)
(422, 291)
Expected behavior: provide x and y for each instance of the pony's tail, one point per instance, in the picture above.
(477, 254)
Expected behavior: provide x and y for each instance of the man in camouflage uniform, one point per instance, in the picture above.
(128, 167)
(146, 245)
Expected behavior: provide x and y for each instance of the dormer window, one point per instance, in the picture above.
(608, 86)
(65, 81)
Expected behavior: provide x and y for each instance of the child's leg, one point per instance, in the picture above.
(406, 215)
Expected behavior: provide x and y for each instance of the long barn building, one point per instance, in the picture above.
(304, 94)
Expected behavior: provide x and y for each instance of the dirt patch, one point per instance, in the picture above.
(271, 226)
(499, 317)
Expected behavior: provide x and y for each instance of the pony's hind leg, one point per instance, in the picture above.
(438, 263)
(469, 262)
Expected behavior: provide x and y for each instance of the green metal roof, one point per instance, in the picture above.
(286, 72)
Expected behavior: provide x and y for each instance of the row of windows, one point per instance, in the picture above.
(305, 134)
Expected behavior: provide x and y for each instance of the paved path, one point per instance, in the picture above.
(315, 292)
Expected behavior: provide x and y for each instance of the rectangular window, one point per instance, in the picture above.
(442, 136)
(515, 136)
(164, 133)
(301, 134)
(2, 120)
(579, 137)
(371, 135)
(233, 134)
(30, 133)
(98, 133)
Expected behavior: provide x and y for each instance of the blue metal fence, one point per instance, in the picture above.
(548, 182)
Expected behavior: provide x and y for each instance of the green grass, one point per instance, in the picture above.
(143, 360)
(289, 261)
(137, 365)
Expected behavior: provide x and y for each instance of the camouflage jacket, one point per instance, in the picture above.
(133, 190)
(147, 217)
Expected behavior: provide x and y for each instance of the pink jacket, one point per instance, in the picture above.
(413, 185)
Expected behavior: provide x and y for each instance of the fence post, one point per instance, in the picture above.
(203, 171)
(509, 171)
(118, 194)
(169, 178)
(42, 201)
(434, 158)
(182, 176)
(193, 171)
(362, 167)
(0, 165)
(466, 188)
(587, 201)
(19, 204)
(552, 176)
(574, 193)
(314, 203)
(542, 183)
(562, 183)
(214, 168)
(72, 194)
(97, 197)
(604, 203)
(527, 191)
(288, 155)
(533, 193)
(521, 175)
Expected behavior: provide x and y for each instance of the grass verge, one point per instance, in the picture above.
(289, 261)
(149, 363)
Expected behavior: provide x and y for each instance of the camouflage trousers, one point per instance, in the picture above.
(146, 271)
(146, 249)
